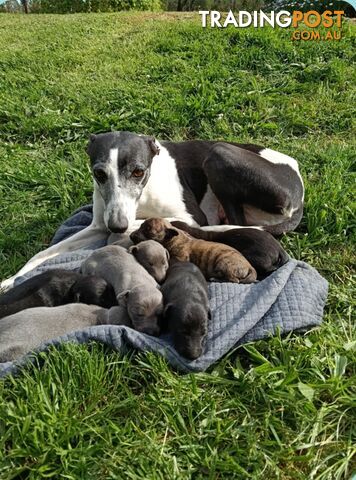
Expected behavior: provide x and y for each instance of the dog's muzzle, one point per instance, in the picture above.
(118, 224)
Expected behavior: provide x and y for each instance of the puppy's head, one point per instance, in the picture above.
(144, 307)
(189, 327)
(93, 290)
(153, 257)
(157, 229)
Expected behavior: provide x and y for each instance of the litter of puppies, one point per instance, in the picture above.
(155, 286)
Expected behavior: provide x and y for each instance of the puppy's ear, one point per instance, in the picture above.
(122, 298)
(167, 255)
(133, 250)
(153, 145)
(170, 233)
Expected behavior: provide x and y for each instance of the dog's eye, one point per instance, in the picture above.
(138, 173)
(100, 175)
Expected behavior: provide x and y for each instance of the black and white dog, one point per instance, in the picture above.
(221, 184)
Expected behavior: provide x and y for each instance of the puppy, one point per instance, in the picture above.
(260, 248)
(27, 330)
(215, 260)
(134, 287)
(56, 287)
(186, 311)
(153, 257)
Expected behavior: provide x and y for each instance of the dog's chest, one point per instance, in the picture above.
(163, 194)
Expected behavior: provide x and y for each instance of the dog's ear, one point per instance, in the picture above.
(122, 298)
(153, 145)
(133, 250)
(167, 255)
(170, 233)
(92, 138)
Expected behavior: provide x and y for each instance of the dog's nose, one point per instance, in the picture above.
(118, 227)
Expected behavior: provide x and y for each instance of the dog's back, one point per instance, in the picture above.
(185, 278)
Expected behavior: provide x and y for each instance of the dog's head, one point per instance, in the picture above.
(144, 307)
(121, 163)
(153, 257)
(188, 327)
(157, 229)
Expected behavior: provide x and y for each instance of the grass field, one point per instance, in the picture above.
(277, 409)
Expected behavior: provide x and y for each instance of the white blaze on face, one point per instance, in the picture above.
(120, 199)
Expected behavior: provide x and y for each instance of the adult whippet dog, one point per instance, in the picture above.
(218, 185)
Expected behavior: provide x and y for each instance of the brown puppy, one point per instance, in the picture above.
(215, 260)
(260, 248)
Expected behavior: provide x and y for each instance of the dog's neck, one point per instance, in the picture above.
(163, 194)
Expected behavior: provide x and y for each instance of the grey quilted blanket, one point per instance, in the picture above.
(291, 299)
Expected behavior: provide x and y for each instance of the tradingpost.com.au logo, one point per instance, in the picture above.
(283, 19)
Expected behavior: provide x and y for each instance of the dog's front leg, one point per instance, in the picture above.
(82, 239)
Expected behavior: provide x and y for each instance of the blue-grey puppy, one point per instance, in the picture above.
(186, 308)
(153, 257)
(57, 287)
(134, 287)
(25, 331)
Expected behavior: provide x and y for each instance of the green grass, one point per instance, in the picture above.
(277, 409)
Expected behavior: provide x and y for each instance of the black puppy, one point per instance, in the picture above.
(57, 287)
(186, 312)
(260, 248)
